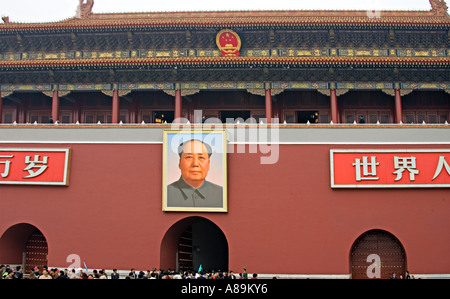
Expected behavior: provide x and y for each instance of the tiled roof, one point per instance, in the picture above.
(241, 18)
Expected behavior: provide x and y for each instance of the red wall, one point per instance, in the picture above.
(282, 218)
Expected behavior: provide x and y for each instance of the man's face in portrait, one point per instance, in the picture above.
(194, 163)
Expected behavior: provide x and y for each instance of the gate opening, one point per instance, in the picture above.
(24, 244)
(377, 254)
(193, 242)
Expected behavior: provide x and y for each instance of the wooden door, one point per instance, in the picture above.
(36, 251)
(377, 249)
(185, 250)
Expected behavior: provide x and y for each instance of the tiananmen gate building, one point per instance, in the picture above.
(327, 134)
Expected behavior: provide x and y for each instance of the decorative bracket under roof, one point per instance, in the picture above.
(184, 92)
(391, 91)
(84, 9)
(262, 91)
(110, 93)
(5, 94)
(439, 7)
(61, 94)
(339, 92)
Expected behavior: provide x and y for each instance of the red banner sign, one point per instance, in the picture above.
(34, 166)
(390, 168)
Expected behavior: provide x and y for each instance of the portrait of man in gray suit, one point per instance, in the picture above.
(192, 189)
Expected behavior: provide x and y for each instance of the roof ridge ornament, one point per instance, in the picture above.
(84, 9)
(439, 7)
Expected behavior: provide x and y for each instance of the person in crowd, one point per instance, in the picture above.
(19, 272)
(73, 275)
(407, 276)
(245, 274)
(103, 274)
(2, 270)
(61, 275)
(45, 275)
(115, 275)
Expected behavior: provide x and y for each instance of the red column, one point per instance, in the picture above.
(1, 107)
(177, 105)
(398, 106)
(268, 93)
(55, 106)
(334, 108)
(115, 107)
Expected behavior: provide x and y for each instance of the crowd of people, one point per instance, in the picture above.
(7, 272)
(401, 276)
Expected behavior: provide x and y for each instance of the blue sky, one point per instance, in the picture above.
(57, 10)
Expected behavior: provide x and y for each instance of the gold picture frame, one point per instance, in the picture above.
(194, 181)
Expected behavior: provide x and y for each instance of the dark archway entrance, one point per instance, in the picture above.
(192, 242)
(377, 254)
(24, 244)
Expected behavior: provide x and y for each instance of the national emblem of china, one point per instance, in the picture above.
(229, 43)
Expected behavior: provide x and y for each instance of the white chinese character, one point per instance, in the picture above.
(7, 163)
(33, 164)
(366, 174)
(441, 165)
(405, 163)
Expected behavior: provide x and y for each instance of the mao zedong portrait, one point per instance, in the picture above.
(192, 189)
